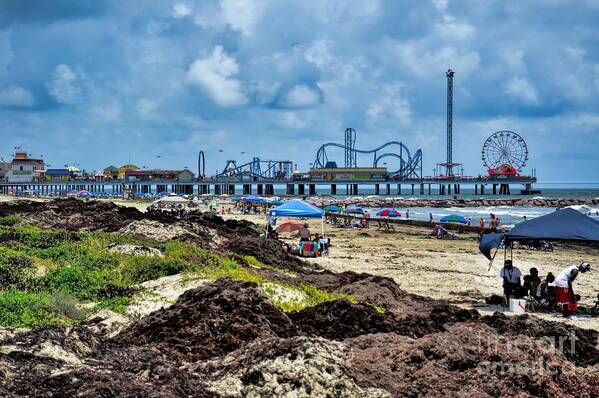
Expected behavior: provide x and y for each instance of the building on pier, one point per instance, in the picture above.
(111, 173)
(124, 169)
(58, 175)
(151, 175)
(25, 169)
(348, 174)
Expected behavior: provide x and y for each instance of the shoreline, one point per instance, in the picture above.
(382, 201)
(458, 202)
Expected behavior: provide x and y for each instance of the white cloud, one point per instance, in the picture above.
(588, 121)
(16, 96)
(243, 15)
(64, 87)
(450, 29)
(427, 63)
(440, 5)
(215, 75)
(391, 104)
(521, 88)
(108, 112)
(292, 120)
(300, 96)
(146, 106)
(348, 12)
(264, 92)
(180, 10)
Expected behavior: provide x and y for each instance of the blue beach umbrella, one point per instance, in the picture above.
(354, 210)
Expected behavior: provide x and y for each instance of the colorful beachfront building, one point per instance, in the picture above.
(111, 173)
(124, 169)
(58, 175)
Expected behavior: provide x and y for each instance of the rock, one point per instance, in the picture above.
(124, 248)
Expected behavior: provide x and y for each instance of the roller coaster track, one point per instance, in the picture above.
(410, 166)
(260, 169)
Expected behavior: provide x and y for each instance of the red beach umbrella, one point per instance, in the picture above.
(290, 226)
(388, 213)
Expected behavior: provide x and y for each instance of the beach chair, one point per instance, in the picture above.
(384, 224)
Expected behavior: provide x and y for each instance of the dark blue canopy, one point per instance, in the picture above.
(565, 224)
(488, 242)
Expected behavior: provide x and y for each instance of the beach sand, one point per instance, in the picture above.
(452, 270)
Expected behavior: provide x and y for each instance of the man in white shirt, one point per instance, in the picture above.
(566, 299)
(511, 280)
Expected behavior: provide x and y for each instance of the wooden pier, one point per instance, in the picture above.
(482, 186)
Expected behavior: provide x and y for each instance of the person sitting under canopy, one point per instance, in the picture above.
(511, 281)
(531, 281)
(304, 234)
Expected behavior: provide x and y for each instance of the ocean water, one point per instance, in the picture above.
(509, 215)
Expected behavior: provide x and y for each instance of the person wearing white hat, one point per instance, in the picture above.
(566, 299)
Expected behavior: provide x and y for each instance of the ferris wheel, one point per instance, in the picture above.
(505, 148)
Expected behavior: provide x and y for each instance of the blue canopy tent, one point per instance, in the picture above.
(298, 209)
(252, 199)
(565, 225)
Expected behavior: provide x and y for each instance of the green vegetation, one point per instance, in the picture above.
(301, 297)
(10, 220)
(46, 275)
(254, 262)
(21, 309)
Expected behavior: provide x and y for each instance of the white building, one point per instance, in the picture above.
(24, 169)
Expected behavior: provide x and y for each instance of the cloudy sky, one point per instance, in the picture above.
(101, 82)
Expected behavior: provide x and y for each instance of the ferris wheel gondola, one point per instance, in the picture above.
(505, 148)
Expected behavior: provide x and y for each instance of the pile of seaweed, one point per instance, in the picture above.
(227, 339)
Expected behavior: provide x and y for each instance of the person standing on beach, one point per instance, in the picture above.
(430, 217)
(566, 299)
(407, 213)
(482, 223)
